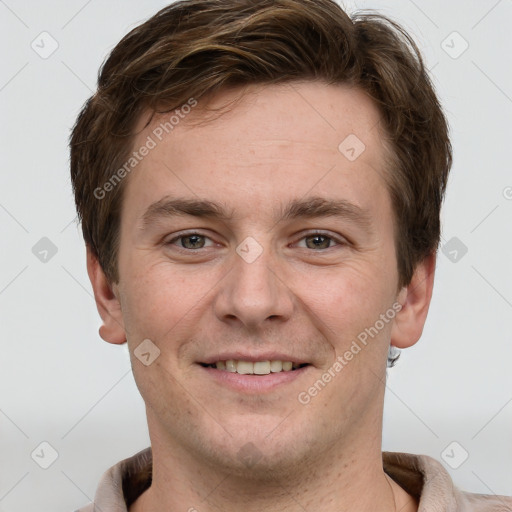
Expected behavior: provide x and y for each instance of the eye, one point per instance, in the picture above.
(194, 241)
(321, 241)
(189, 241)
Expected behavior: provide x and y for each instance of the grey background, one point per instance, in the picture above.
(61, 384)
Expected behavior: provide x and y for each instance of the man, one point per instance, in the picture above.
(259, 184)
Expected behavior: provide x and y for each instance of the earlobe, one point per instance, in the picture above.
(415, 300)
(107, 303)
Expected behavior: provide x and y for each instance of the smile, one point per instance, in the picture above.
(254, 367)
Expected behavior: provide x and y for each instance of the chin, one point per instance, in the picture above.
(264, 454)
(251, 463)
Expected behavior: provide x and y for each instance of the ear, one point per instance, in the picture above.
(109, 307)
(415, 301)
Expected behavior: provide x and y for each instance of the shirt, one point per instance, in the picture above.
(420, 475)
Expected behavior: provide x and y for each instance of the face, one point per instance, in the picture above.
(254, 238)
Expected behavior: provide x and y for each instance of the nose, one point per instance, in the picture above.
(253, 293)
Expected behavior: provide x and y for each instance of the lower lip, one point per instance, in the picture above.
(253, 383)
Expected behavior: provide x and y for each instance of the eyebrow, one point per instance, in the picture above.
(309, 208)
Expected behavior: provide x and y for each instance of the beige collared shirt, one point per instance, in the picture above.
(420, 475)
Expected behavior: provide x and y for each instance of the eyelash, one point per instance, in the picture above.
(338, 241)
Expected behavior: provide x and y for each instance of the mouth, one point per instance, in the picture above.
(244, 367)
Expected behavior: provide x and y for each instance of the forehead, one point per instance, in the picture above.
(318, 112)
(275, 141)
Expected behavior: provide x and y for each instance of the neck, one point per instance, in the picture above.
(349, 477)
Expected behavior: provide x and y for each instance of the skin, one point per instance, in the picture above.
(276, 144)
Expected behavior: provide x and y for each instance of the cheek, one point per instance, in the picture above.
(163, 304)
(149, 301)
(347, 309)
(350, 298)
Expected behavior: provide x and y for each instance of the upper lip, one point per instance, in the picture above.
(253, 357)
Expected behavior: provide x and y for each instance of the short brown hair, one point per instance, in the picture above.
(196, 47)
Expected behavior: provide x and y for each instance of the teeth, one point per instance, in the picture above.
(245, 367)
(231, 366)
(276, 366)
(257, 368)
(261, 367)
(287, 366)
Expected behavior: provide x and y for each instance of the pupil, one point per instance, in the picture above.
(195, 239)
(318, 238)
